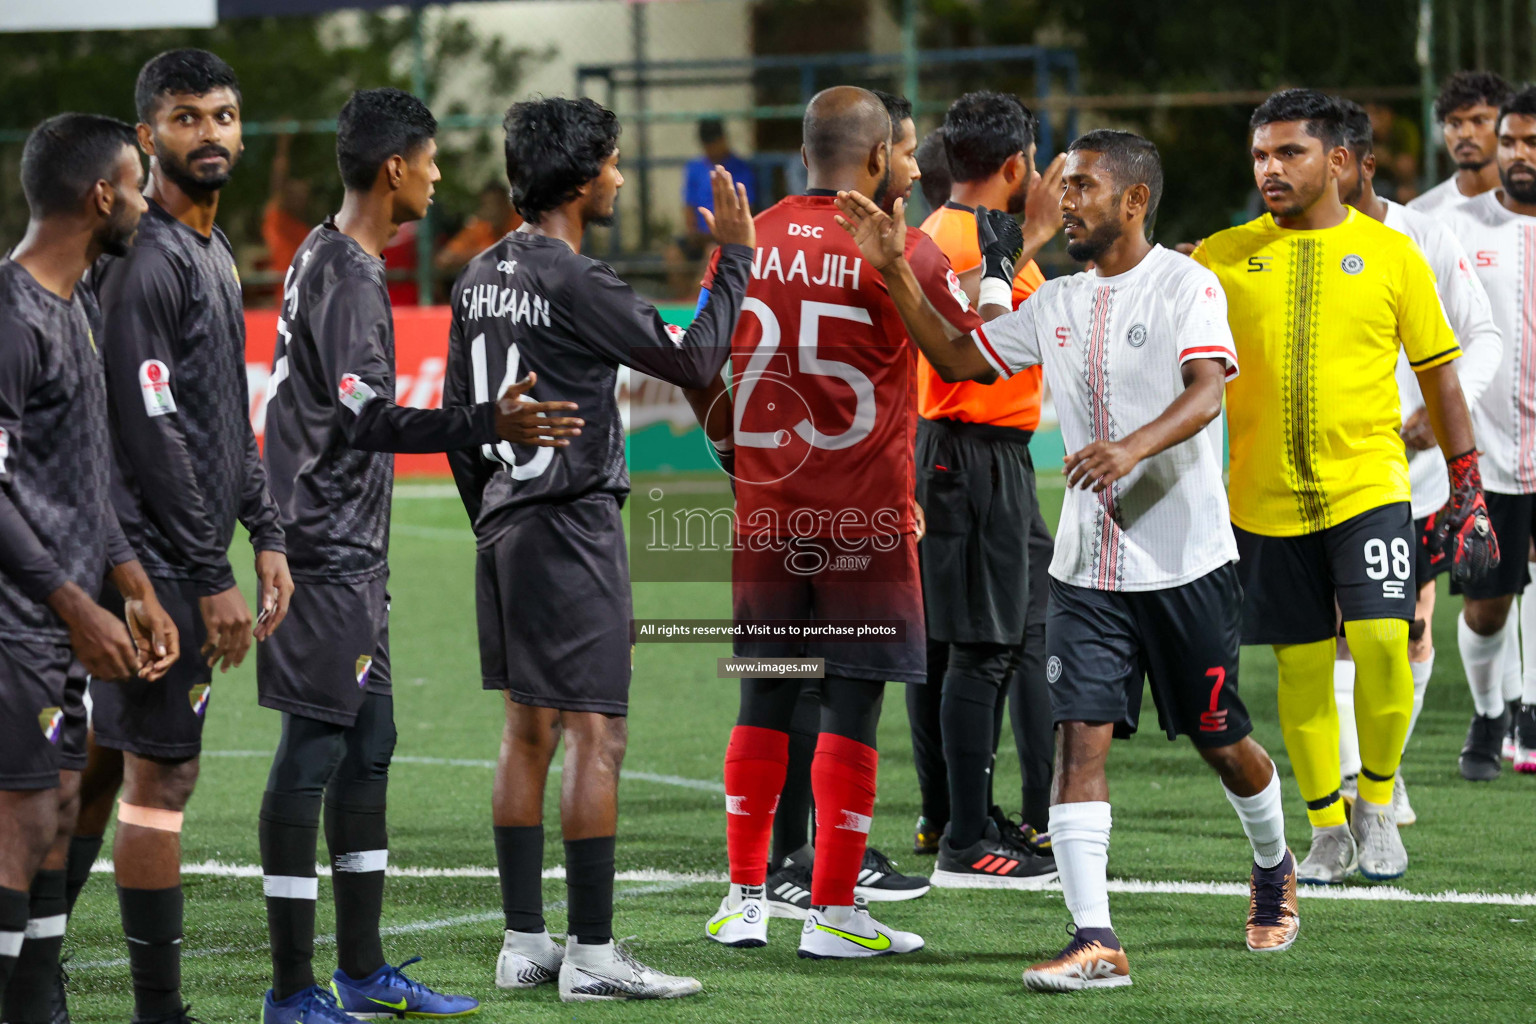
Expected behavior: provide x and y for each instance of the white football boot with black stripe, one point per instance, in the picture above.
(742, 920)
(607, 972)
(528, 959)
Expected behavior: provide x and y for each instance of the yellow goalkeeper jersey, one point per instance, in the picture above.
(1318, 317)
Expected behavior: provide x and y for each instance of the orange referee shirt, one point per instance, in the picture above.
(1014, 402)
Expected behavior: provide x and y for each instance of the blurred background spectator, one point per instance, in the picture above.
(286, 220)
(493, 218)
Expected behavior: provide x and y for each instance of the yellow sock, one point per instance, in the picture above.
(1309, 721)
(1383, 701)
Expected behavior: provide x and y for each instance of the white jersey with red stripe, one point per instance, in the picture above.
(1466, 307)
(1502, 245)
(1114, 349)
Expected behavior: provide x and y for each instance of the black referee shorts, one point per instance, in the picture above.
(976, 484)
(1183, 641)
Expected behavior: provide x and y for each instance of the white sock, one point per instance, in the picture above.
(1344, 697)
(1480, 660)
(1263, 818)
(1528, 640)
(1080, 841)
(1421, 671)
(1511, 677)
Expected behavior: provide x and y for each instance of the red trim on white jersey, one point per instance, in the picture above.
(998, 363)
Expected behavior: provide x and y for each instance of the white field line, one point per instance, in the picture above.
(1125, 886)
(408, 491)
(410, 928)
(703, 785)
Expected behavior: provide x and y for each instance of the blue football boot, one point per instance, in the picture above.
(387, 992)
(313, 1005)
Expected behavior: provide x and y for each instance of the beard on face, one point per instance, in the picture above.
(1523, 188)
(1353, 195)
(180, 171)
(882, 197)
(1472, 165)
(115, 236)
(1096, 243)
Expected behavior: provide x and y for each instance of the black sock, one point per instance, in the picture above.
(83, 851)
(152, 923)
(29, 995)
(358, 840)
(923, 703)
(520, 866)
(290, 827)
(1037, 807)
(15, 909)
(792, 821)
(589, 889)
(966, 714)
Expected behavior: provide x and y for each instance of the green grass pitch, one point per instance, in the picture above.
(1393, 961)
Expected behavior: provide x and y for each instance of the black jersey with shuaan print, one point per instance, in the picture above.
(187, 466)
(57, 524)
(332, 421)
(530, 303)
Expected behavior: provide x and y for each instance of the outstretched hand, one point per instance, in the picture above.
(880, 236)
(521, 420)
(730, 222)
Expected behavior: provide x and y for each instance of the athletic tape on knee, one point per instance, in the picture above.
(149, 817)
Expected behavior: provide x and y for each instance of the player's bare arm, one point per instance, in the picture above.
(882, 238)
(151, 628)
(1462, 529)
(523, 421)
(1101, 463)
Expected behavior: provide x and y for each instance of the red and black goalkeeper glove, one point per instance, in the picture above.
(1461, 530)
(1001, 241)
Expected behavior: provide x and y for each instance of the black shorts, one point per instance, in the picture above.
(1511, 516)
(553, 604)
(976, 485)
(817, 580)
(32, 683)
(1294, 588)
(331, 649)
(75, 741)
(164, 718)
(1182, 640)
(1423, 572)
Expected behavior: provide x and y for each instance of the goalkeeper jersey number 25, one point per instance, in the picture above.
(1318, 318)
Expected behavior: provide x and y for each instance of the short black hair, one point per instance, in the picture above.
(375, 125)
(982, 130)
(1522, 102)
(1131, 159)
(1324, 119)
(1471, 89)
(711, 129)
(898, 107)
(181, 71)
(934, 165)
(1358, 134)
(66, 156)
(554, 147)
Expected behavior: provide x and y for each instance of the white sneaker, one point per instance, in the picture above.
(608, 972)
(1401, 808)
(742, 920)
(528, 959)
(1382, 855)
(844, 933)
(1333, 856)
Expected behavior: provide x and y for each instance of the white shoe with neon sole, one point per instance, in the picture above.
(742, 920)
(846, 933)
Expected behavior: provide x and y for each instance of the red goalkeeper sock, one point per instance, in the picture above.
(843, 783)
(754, 774)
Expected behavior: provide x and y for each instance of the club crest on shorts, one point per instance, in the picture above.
(51, 720)
(363, 666)
(1352, 264)
(1136, 336)
(1053, 669)
(197, 696)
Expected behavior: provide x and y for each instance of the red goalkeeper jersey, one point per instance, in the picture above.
(824, 379)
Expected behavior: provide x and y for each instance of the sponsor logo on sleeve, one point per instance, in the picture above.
(675, 333)
(354, 392)
(5, 449)
(953, 280)
(155, 383)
